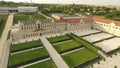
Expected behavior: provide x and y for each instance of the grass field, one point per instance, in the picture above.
(27, 56)
(45, 64)
(37, 16)
(18, 17)
(58, 38)
(26, 45)
(67, 45)
(3, 19)
(79, 57)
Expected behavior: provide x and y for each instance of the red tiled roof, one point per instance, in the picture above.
(88, 19)
(74, 20)
(106, 21)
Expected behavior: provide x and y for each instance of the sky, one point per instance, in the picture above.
(97, 2)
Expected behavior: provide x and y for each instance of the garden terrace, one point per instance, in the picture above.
(58, 39)
(79, 57)
(97, 37)
(109, 45)
(3, 19)
(18, 17)
(27, 57)
(26, 45)
(67, 46)
(44, 64)
(85, 32)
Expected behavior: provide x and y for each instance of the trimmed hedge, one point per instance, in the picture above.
(58, 39)
(26, 45)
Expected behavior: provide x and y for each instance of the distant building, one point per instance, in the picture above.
(18, 9)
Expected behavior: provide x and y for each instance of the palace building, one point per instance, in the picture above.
(36, 28)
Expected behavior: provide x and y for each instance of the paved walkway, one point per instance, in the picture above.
(60, 63)
(45, 15)
(34, 63)
(26, 50)
(62, 42)
(72, 51)
(3, 48)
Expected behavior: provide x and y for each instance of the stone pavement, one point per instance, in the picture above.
(3, 47)
(60, 63)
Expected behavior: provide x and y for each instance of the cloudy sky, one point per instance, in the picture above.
(103, 2)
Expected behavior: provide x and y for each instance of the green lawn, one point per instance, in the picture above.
(58, 38)
(84, 42)
(45, 64)
(18, 17)
(3, 19)
(27, 56)
(37, 16)
(79, 57)
(26, 45)
(66, 46)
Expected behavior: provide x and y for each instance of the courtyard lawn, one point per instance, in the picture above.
(26, 45)
(26, 57)
(66, 46)
(45, 64)
(18, 17)
(37, 16)
(79, 57)
(3, 19)
(58, 38)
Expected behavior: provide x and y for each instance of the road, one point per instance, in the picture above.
(3, 47)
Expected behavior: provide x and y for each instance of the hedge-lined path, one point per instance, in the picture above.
(60, 63)
(62, 42)
(34, 63)
(3, 48)
(26, 50)
(72, 51)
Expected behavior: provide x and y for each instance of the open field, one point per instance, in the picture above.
(26, 57)
(26, 45)
(79, 57)
(18, 17)
(44, 64)
(58, 38)
(3, 19)
(97, 37)
(66, 46)
(109, 45)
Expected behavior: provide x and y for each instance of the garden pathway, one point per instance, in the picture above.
(60, 63)
(26, 50)
(3, 47)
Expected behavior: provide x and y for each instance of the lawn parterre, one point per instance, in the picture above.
(18, 17)
(58, 38)
(3, 19)
(26, 57)
(45, 64)
(37, 16)
(26, 45)
(79, 57)
(66, 46)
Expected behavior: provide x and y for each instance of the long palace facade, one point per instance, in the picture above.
(36, 28)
